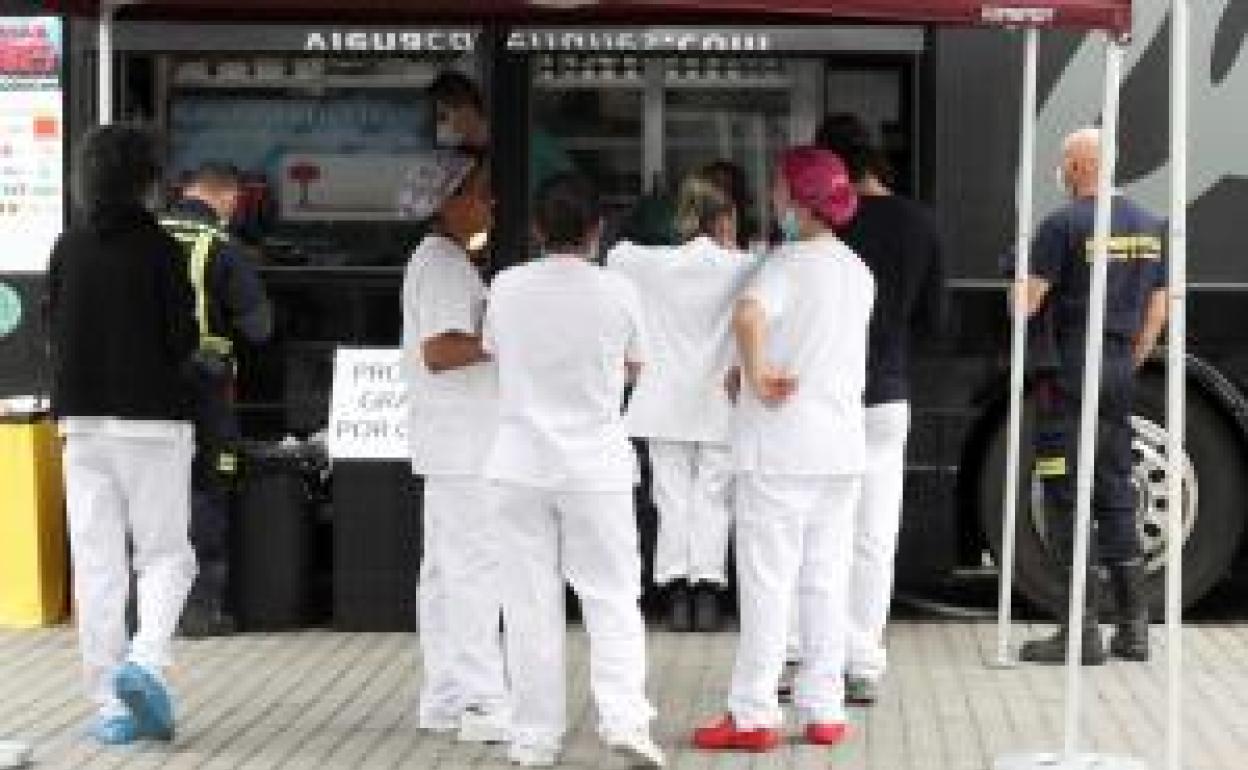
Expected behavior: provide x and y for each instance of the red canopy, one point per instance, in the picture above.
(1100, 14)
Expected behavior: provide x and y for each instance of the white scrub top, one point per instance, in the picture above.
(561, 330)
(687, 293)
(817, 296)
(452, 414)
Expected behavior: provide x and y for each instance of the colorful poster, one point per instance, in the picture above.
(32, 188)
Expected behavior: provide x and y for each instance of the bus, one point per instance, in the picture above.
(320, 103)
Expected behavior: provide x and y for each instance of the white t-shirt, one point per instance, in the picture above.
(817, 296)
(687, 293)
(451, 414)
(561, 330)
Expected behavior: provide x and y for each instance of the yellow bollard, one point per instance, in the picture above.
(34, 549)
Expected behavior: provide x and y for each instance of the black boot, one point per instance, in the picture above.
(706, 607)
(1130, 639)
(205, 613)
(680, 605)
(1053, 649)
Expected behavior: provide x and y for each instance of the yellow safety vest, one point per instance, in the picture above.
(198, 241)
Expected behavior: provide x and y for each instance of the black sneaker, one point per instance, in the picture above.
(861, 691)
(706, 607)
(680, 605)
(784, 690)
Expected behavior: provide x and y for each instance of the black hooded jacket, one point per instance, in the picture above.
(121, 317)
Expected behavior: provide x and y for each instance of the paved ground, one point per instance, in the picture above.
(332, 700)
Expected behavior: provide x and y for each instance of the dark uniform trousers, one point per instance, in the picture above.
(1058, 403)
(213, 476)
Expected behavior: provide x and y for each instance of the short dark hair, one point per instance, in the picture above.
(456, 89)
(216, 174)
(566, 210)
(848, 136)
(116, 165)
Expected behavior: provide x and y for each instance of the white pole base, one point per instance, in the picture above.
(14, 755)
(1002, 662)
(1055, 761)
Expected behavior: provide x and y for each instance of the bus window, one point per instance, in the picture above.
(588, 115)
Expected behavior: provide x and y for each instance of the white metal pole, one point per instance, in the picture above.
(1176, 378)
(104, 65)
(1018, 343)
(1091, 399)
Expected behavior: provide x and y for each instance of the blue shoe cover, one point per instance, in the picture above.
(116, 730)
(147, 700)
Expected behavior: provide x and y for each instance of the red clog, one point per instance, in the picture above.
(724, 735)
(826, 733)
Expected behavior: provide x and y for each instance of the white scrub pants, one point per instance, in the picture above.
(120, 487)
(692, 483)
(875, 537)
(459, 602)
(589, 538)
(794, 538)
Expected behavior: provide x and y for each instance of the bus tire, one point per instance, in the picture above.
(1215, 522)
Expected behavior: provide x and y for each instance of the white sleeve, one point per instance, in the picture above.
(638, 345)
(769, 288)
(447, 299)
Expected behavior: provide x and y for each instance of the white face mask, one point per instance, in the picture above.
(446, 135)
(478, 241)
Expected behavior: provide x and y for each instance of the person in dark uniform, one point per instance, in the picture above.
(230, 303)
(1058, 289)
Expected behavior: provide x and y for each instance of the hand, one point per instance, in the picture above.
(773, 386)
(732, 383)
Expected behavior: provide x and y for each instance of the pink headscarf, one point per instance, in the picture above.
(819, 181)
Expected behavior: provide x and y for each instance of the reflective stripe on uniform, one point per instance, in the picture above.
(199, 238)
(227, 463)
(1050, 467)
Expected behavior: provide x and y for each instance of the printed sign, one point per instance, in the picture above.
(358, 188)
(31, 142)
(713, 40)
(368, 405)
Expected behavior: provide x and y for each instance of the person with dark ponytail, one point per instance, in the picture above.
(799, 446)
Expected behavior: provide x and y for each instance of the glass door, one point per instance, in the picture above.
(589, 114)
(636, 125)
(737, 113)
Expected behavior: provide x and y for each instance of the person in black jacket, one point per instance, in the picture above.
(901, 242)
(122, 332)
(230, 303)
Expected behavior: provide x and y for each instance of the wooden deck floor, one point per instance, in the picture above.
(334, 700)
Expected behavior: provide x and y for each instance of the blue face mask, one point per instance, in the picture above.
(790, 226)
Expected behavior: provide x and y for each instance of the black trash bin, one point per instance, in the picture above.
(376, 510)
(273, 536)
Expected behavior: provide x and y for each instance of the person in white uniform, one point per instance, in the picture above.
(565, 333)
(679, 404)
(801, 329)
(123, 331)
(452, 401)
